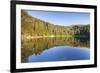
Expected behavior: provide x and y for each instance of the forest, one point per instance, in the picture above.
(32, 27)
(38, 35)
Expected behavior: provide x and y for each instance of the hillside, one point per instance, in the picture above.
(33, 27)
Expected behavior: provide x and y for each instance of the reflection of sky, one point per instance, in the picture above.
(61, 18)
(61, 53)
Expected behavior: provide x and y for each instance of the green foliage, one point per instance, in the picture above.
(33, 27)
(45, 35)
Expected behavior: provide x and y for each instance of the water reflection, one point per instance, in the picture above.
(61, 53)
(37, 45)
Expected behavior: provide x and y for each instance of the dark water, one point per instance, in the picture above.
(55, 49)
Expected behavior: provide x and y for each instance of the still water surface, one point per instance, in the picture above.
(55, 49)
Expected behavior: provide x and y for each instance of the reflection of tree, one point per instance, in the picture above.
(38, 45)
(32, 27)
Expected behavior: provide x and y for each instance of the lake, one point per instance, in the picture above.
(55, 49)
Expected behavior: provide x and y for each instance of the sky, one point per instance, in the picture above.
(61, 18)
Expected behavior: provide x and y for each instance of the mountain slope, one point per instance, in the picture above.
(31, 26)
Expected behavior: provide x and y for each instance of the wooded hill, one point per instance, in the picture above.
(31, 26)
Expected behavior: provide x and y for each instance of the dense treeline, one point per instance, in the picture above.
(77, 35)
(31, 26)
